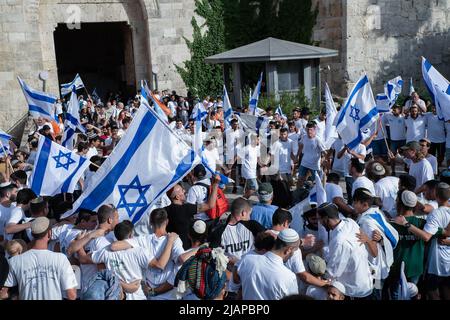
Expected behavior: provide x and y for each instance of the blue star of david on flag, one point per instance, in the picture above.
(141, 201)
(60, 164)
(354, 113)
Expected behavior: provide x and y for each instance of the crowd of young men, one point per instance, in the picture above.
(385, 237)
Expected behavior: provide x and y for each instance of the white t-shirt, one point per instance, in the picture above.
(415, 129)
(435, 128)
(422, 171)
(295, 262)
(91, 152)
(396, 126)
(250, 161)
(212, 159)
(360, 149)
(312, 150)
(41, 275)
(433, 161)
(199, 195)
(5, 213)
(363, 182)
(16, 214)
(320, 129)
(295, 137)
(129, 265)
(338, 164)
(282, 151)
(439, 256)
(386, 189)
(234, 140)
(447, 136)
(333, 191)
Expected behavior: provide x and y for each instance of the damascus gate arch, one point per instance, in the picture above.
(106, 41)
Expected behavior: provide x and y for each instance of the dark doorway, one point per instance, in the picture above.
(102, 53)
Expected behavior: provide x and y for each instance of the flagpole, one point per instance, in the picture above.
(384, 136)
(6, 156)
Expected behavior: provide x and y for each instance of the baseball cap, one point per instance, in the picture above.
(409, 199)
(40, 225)
(316, 264)
(412, 145)
(378, 169)
(288, 235)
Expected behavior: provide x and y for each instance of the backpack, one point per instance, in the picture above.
(221, 202)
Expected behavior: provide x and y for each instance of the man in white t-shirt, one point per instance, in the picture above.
(415, 100)
(16, 222)
(438, 265)
(251, 153)
(415, 125)
(436, 135)
(311, 150)
(419, 167)
(8, 194)
(335, 195)
(39, 273)
(283, 152)
(359, 179)
(424, 148)
(397, 129)
(386, 186)
(320, 125)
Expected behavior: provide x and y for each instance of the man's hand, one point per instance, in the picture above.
(362, 237)
(131, 287)
(376, 236)
(444, 242)
(216, 179)
(308, 241)
(391, 155)
(172, 236)
(97, 233)
(400, 220)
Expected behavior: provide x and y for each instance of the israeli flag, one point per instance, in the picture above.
(199, 111)
(148, 95)
(149, 160)
(56, 169)
(439, 89)
(317, 194)
(40, 104)
(255, 97)
(66, 88)
(411, 86)
(279, 112)
(252, 124)
(358, 114)
(330, 130)
(227, 109)
(72, 122)
(403, 284)
(4, 140)
(391, 92)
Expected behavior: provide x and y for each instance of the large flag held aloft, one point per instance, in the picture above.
(358, 113)
(253, 106)
(439, 89)
(227, 109)
(40, 104)
(392, 90)
(149, 160)
(72, 122)
(56, 169)
(66, 88)
(330, 130)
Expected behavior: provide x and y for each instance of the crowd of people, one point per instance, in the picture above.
(385, 237)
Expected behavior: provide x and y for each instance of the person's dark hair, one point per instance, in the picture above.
(264, 241)
(82, 146)
(24, 196)
(234, 121)
(126, 120)
(363, 195)
(123, 230)
(280, 216)
(41, 235)
(283, 130)
(239, 205)
(158, 217)
(328, 210)
(97, 162)
(355, 163)
(197, 237)
(94, 139)
(199, 172)
(84, 215)
(431, 184)
(443, 191)
(37, 208)
(20, 176)
(104, 213)
(5, 190)
(310, 125)
(408, 182)
(333, 178)
(34, 143)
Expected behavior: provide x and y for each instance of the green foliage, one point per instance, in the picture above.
(204, 79)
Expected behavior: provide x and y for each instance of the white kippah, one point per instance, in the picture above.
(5, 184)
(199, 226)
(338, 286)
(288, 236)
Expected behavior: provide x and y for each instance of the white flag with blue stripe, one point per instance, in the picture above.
(199, 110)
(66, 88)
(227, 108)
(4, 140)
(358, 113)
(149, 160)
(392, 90)
(439, 89)
(330, 130)
(317, 194)
(411, 86)
(56, 169)
(279, 112)
(72, 122)
(253, 106)
(40, 104)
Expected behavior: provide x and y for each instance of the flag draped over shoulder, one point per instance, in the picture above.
(56, 169)
(439, 89)
(358, 113)
(330, 130)
(66, 88)
(149, 160)
(392, 90)
(40, 104)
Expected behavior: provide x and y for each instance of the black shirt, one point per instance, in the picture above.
(180, 221)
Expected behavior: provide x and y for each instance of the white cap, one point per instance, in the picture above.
(338, 286)
(199, 226)
(412, 290)
(409, 198)
(288, 236)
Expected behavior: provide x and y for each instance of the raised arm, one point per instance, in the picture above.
(79, 243)
(211, 203)
(162, 261)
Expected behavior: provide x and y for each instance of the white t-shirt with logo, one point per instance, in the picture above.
(41, 275)
(282, 151)
(439, 255)
(312, 150)
(435, 128)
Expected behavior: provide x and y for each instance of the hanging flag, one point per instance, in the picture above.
(438, 87)
(40, 104)
(227, 109)
(253, 106)
(95, 96)
(392, 90)
(72, 122)
(330, 130)
(56, 169)
(411, 87)
(66, 88)
(149, 160)
(358, 114)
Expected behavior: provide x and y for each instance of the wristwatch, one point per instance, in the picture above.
(152, 292)
(407, 225)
